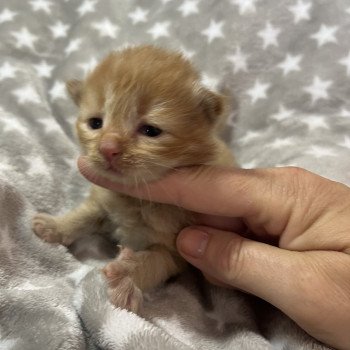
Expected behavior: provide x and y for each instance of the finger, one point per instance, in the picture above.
(245, 264)
(216, 282)
(221, 222)
(307, 286)
(210, 190)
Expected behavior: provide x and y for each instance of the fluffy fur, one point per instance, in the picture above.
(129, 91)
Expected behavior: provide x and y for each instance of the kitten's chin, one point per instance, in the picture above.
(127, 177)
(112, 174)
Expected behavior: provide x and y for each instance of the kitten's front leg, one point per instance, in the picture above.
(85, 219)
(131, 273)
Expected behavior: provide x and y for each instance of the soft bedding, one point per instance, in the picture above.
(286, 65)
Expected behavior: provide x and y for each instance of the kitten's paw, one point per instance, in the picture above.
(45, 227)
(122, 290)
(126, 295)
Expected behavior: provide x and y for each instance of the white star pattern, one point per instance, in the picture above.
(245, 6)
(283, 113)
(7, 70)
(73, 46)
(27, 94)
(187, 53)
(346, 62)
(290, 64)
(189, 7)
(50, 125)
(7, 344)
(314, 122)
(209, 81)
(41, 5)
(288, 89)
(300, 11)
(214, 31)
(88, 66)
(249, 136)
(344, 113)
(239, 60)
(279, 143)
(106, 28)
(7, 15)
(24, 38)
(58, 91)
(139, 15)
(258, 91)
(325, 35)
(250, 165)
(320, 152)
(4, 167)
(44, 69)
(318, 89)
(37, 166)
(88, 6)
(160, 29)
(59, 30)
(269, 35)
(13, 124)
(346, 142)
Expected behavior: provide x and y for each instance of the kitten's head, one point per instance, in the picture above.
(143, 112)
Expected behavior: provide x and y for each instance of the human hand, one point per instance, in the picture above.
(307, 275)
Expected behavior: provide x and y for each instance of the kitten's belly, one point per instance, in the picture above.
(140, 235)
(141, 224)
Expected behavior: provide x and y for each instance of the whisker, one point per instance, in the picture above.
(137, 186)
(147, 187)
(159, 164)
(145, 182)
(164, 189)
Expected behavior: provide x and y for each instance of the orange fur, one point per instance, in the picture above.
(140, 86)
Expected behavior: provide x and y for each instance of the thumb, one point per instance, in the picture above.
(257, 268)
(307, 286)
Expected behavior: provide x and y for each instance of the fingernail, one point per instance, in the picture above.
(193, 242)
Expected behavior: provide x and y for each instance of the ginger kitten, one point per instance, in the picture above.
(142, 113)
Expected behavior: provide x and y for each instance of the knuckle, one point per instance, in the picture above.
(232, 260)
(294, 182)
(297, 176)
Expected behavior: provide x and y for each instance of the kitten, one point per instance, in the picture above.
(143, 112)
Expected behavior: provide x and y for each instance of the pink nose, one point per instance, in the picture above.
(110, 149)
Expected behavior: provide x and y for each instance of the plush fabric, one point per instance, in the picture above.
(286, 65)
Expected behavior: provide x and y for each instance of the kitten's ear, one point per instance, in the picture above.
(211, 102)
(74, 88)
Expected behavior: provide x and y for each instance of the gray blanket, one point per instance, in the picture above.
(287, 63)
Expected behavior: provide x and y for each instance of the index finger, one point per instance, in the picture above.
(209, 190)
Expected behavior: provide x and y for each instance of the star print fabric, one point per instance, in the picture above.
(287, 71)
(288, 67)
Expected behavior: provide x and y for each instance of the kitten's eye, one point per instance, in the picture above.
(149, 130)
(95, 123)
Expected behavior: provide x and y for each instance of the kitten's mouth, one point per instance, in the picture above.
(111, 172)
(130, 176)
(96, 170)
(110, 168)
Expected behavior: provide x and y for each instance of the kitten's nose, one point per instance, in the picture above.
(110, 149)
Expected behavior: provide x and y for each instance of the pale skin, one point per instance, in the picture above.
(281, 234)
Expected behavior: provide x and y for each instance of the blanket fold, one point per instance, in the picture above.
(286, 69)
